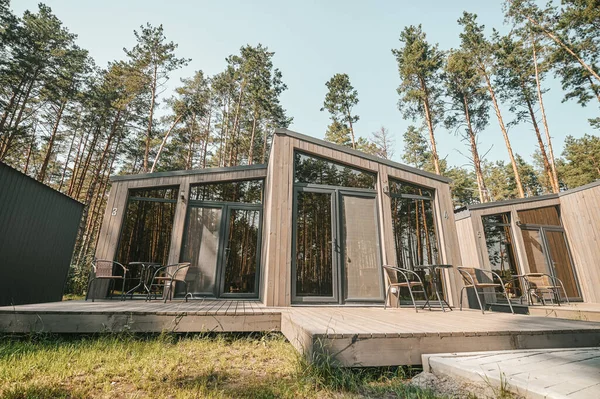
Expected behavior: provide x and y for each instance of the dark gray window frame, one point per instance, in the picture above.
(338, 257)
(225, 208)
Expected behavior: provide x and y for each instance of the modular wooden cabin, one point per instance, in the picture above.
(314, 226)
(557, 234)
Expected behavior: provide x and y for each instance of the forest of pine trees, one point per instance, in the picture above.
(71, 124)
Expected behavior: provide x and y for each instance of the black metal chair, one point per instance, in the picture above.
(471, 280)
(392, 273)
(538, 284)
(167, 277)
(103, 269)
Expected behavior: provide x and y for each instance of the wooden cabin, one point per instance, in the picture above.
(558, 234)
(314, 226)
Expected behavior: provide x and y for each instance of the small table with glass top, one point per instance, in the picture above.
(435, 282)
(146, 272)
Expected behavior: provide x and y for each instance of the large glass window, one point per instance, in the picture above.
(247, 191)
(414, 229)
(222, 238)
(147, 227)
(312, 170)
(501, 250)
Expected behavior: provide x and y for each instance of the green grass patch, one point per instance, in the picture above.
(182, 366)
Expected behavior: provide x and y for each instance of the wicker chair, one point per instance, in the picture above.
(471, 280)
(539, 284)
(103, 269)
(167, 277)
(392, 274)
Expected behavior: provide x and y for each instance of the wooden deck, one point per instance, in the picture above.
(140, 316)
(355, 336)
(573, 311)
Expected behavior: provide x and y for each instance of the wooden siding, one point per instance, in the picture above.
(467, 242)
(580, 212)
(278, 228)
(117, 204)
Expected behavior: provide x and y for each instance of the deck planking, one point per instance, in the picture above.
(354, 336)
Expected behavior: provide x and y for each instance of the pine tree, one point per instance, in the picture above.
(419, 66)
(384, 143)
(339, 101)
(154, 59)
(469, 108)
(480, 53)
(518, 81)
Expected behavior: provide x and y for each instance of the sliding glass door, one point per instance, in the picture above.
(336, 253)
(548, 252)
(315, 245)
(222, 239)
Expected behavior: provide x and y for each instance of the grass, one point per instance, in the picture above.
(73, 297)
(172, 366)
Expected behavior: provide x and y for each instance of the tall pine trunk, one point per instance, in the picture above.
(429, 121)
(150, 118)
(555, 184)
(504, 133)
(42, 174)
(483, 194)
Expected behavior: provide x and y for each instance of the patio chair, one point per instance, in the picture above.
(392, 274)
(167, 277)
(471, 280)
(539, 284)
(103, 269)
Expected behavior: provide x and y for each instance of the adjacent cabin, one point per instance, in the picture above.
(38, 229)
(556, 234)
(314, 226)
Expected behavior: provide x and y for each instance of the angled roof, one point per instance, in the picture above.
(361, 154)
(459, 211)
(186, 172)
(298, 136)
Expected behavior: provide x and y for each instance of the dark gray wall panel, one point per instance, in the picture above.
(38, 228)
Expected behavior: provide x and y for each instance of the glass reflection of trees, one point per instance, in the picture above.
(201, 248)
(246, 191)
(241, 254)
(146, 231)
(313, 245)
(414, 228)
(205, 243)
(501, 252)
(314, 170)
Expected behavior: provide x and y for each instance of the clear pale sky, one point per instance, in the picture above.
(312, 41)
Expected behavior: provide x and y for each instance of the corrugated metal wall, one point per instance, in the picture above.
(38, 228)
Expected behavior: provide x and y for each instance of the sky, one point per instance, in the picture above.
(312, 41)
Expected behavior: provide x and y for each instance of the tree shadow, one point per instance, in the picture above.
(38, 392)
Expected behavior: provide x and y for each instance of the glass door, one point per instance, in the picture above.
(241, 252)
(315, 246)
(535, 251)
(547, 252)
(360, 246)
(222, 243)
(560, 259)
(201, 248)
